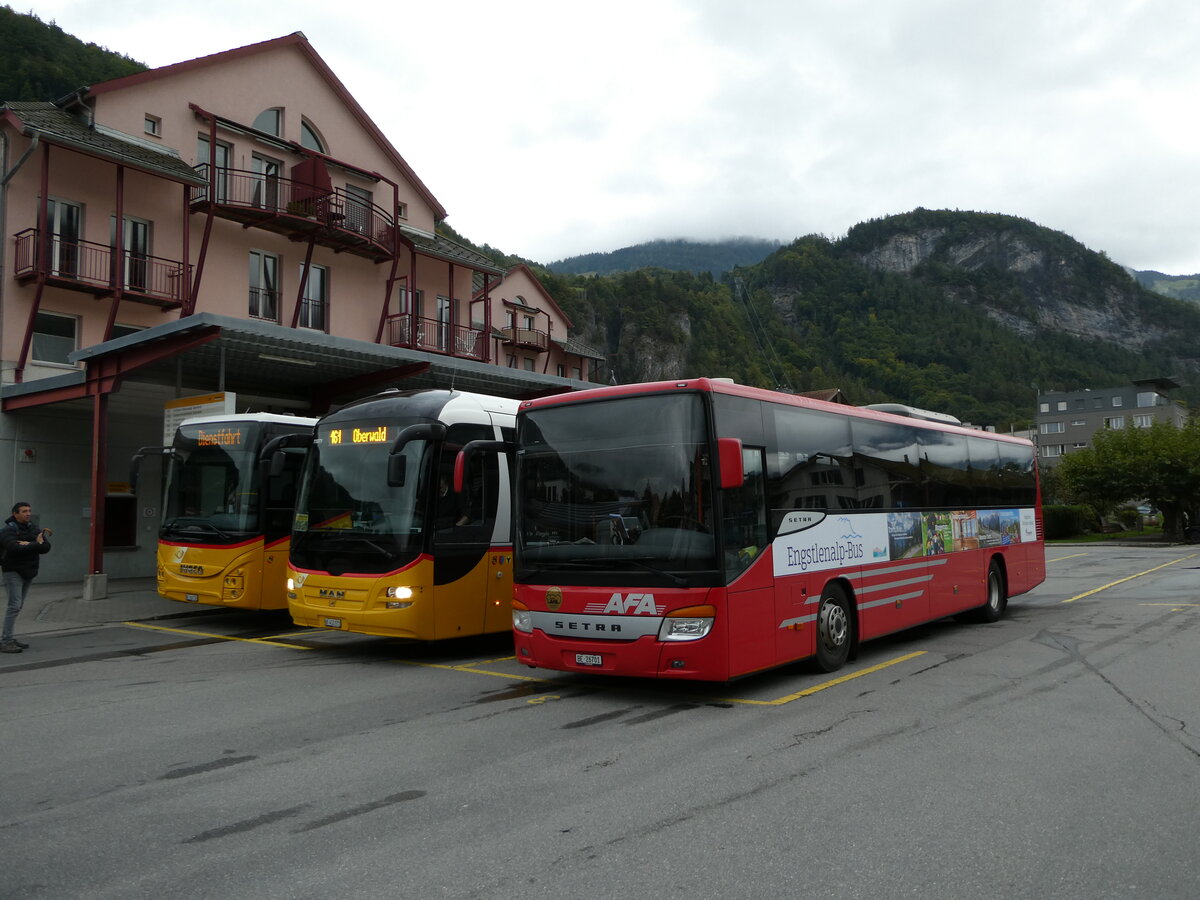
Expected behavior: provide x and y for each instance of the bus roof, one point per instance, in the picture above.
(278, 418)
(725, 386)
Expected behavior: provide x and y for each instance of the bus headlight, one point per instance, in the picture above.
(398, 598)
(688, 624)
(522, 617)
(291, 584)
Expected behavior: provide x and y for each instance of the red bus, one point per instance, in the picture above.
(701, 529)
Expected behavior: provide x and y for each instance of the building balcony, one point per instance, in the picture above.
(526, 338)
(416, 333)
(95, 269)
(332, 218)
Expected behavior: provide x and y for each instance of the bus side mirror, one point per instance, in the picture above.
(397, 470)
(135, 466)
(470, 448)
(729, 458)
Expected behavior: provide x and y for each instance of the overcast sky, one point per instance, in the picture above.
(549, 129)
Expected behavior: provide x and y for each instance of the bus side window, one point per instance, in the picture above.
(744, 510)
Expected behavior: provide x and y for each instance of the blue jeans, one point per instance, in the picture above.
(18, 587)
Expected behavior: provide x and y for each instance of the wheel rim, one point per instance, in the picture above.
(994, 590)
(834, 625)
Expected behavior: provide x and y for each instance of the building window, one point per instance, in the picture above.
(1114, 422)
(509, 319)
(153, 125)
(119, 331)
(510, 360)
(1098, 403)
(561, 370)
(1146, 399)
(530, 364)
(1076, 422)
(66, 227)
(264, 286)
(1061, 405)
(1044, 407)
(1079, 403)
(577, 374)
(1143, 421)
(270, 121)
(267, 172)
(1118, 401)
(54, 338)
(309, 138)
(1051, 450)
(314, 305)
(1051, 428)
(135, 242)
(219, 157)
(1078, 446)
(401, 210)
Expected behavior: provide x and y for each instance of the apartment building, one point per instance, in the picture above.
(1069, 420)
(233, 224)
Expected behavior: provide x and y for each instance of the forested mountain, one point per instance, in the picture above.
(954, 311)
(1185, 287)
(714, 257)
(42, 62)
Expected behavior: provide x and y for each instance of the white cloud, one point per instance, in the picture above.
(548, 129)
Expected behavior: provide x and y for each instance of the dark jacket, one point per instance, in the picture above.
(22, 560)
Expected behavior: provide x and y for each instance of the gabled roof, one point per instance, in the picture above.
(48, 122)
(300, 42)
(521, 267)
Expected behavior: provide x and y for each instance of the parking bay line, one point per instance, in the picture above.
(219, 637)
(779, 701)
(1105, 587)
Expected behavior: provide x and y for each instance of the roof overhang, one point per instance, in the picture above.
(207, 352)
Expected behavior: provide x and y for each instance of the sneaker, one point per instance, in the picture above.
(21, 644)
(10, 647)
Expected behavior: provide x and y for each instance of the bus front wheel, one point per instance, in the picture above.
(835, 629)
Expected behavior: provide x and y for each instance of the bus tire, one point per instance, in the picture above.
(835, 629)
(997, 596)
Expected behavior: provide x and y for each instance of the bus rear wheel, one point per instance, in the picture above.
(835, 629)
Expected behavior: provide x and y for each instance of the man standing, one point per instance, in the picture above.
(22, 545)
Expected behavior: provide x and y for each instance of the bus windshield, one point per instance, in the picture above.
(348, 518)
(212, 483)
(608, 487)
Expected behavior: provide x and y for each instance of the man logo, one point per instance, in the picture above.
(554, 599)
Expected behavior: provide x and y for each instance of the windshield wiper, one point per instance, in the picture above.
(198, 525)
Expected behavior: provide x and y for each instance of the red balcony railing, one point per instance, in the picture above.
(414, 332)
(336, 218)
(95, 269)
(527, 337)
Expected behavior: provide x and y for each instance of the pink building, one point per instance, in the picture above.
(231, 223)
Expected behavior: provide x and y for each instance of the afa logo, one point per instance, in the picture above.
(632, 604)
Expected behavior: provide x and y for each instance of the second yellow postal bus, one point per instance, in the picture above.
(382, 544)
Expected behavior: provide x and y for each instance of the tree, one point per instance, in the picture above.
(1160, 464)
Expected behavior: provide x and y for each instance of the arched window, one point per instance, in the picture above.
(310, 139)
(270, 121)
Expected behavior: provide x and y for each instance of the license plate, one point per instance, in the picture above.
(588, 659)
(333, 623)
(192, 598)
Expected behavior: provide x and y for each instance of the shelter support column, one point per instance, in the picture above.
(95, 585)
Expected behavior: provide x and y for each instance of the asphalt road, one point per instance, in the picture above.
(1053, 754)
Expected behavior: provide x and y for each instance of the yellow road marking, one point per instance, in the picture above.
(828, 684)
(1061, 558)
(220, 637)
(1172, 605)
(1105, 587)
(470, 667)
